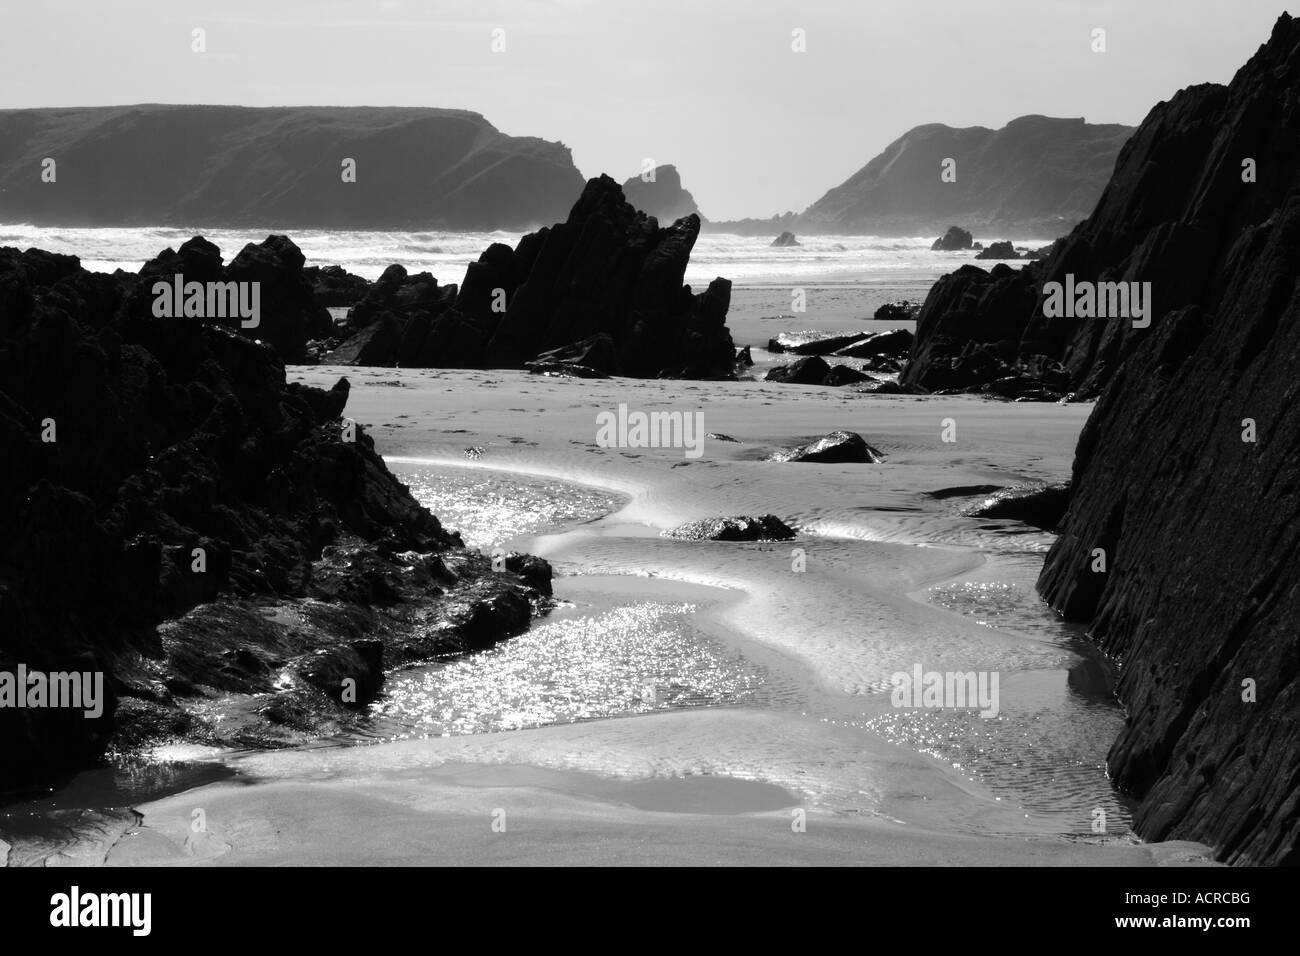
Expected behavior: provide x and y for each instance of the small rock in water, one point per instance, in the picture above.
(955, 238)
(999, 250)
(716, 436)
(737, 528)
(785, 239)
(1040, 505)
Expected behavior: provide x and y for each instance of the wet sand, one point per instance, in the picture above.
(809, 777)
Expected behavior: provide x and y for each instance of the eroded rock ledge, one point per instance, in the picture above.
(177, 516)
(1187, 475)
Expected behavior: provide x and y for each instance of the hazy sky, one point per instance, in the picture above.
(710, 85)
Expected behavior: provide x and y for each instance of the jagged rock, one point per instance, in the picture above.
(289, 314)
(744, 359)
(999, 250)
(785, 240)
(951, 241)
(1199, 529)
(607, 271)
(762, 528)
(837, 447)
(806, 371)
(198, 523)
(334, 286)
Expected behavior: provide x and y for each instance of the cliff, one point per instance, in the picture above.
(230, 166)
(1181, 547)
(1036, 177)
(664, 197)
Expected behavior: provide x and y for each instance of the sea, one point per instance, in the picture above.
(745, 260)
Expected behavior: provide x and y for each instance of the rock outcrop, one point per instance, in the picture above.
(335, 287)
(662, 196)
(1181, 547)
(785, 240)
(999, 250)
(811, 370)
(955, 239)
(175, 516)
(607, 271)
(838, 447)
(237, 166)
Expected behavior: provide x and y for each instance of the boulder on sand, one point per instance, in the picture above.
(843, 375)
(806, 371)
(837, 447)
(739, 528)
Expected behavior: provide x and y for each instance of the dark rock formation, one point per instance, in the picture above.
(663, 197)
(744, 359)
(814, 343)
(593, 357)
(954, 239)
(843, 375)
(806, 371)
(903, 311)
(1041, 505)
(785, 240)
(999, 250)
(972, 333)
(1198, 524)
(879, 388)
(416, 168)
(837, 447)
(334, 286)
(740, 528)
(609, 274)
(289, 313)
(896, 343)
(175, 515)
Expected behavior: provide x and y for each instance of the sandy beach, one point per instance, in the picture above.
(818, 768)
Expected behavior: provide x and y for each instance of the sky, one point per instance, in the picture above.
(715, 87)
